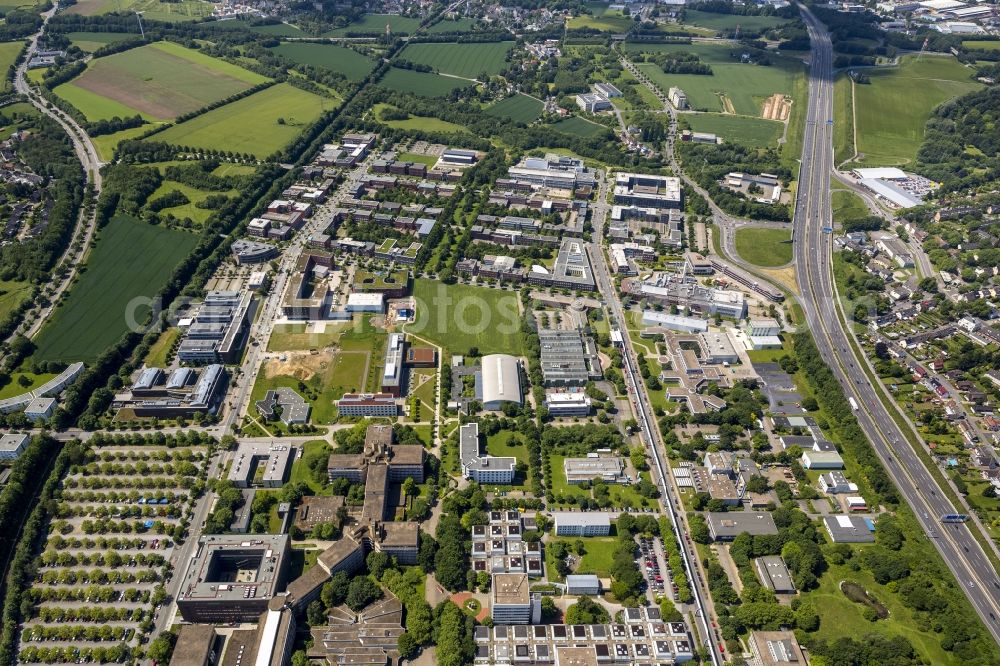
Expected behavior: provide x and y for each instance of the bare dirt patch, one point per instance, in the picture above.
(302, 366)
(777, 107)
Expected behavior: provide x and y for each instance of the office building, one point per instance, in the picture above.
(567, 403)
(678, 98)
(482, 468)
(673, 322)
(647, 190)
(285, 404)
(512, 602)
(593, 102)
(567, 359)
(578, 584)
(581, 523)
(774, 575)
(727, 525)
(218, 330)
(261, 464)
(775, 648)
(585, 470)
(392, 367)
(368, 404)
(231, 578)
(186, 393)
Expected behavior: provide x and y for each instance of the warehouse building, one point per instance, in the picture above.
(775, 648)
(849, 529)
(727, 525)
(498, 381)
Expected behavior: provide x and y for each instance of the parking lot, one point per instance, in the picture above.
(652, 563)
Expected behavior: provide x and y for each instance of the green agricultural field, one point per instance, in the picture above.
(746, 86)
(600, 18)
(252, 124)
(91, 41)
(459, 317)
(745, 130)
(278, 30)
(8, 54)
(12, 294)
(160, 81)
(460, 25)
(420, 83)
(336, 58)
(719, 22)
(194, 195)
(982, 45)
(106, 143)
(131, 262)
(764, 247)
(843, 119)
(519, 108)
(847, 206)
(889, 132)
(152, 10)
(578, 126)
(465, 60)
(374, 24)
(419, 123)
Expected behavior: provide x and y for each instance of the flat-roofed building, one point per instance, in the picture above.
(231, 578)
(392, 368)
(343, 555)
(249, 459)
(567, 359)
(316, 509)
(581, 523)
(647, 190)
(762, 326)
(366, 302)
(197, 645)
(849, 529)
(512, 600)
(775, 648)
(368, 404)
(479, 467)
(583, 584)
(774, 575)
(672, 322)
(567, 403)
(727, 525)
(822, 460)
(12, 445)
(607, 469)
(283, 403)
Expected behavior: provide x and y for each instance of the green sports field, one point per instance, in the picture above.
(890, 131)
(250, 125)
(160, 81)
(420, 83)
(374, 24)
(745, 130)
(152, 10)
(130, 264)
(519, 108)
(764, 247)
(347, 61)
(577, 126)
(91, 41)
(8, 54)
(459, 317)
(465, 60)
(745, 86)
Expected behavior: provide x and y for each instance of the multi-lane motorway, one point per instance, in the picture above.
(813, 256)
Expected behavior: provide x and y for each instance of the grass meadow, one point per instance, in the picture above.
(194, 195)
(91, 41)
(152, 10)
(132, 261)
(519, 108)
(420, 83)
(12, 294)
(745, 130)
(374, 24)
(8, 54)
(336, 58)
(847, 206)
(160, 81)
(600, 18)
(721, 22)
(890, 132)
(419, 123)
(459, 317)
(465, 60)
(764, 247)
(250, 125)
(578, 126)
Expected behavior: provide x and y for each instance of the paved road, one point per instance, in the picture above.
(813, 255)
(651, 437)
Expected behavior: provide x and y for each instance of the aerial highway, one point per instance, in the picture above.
(962, 553)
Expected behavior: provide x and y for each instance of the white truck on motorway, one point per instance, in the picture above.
(854, 403)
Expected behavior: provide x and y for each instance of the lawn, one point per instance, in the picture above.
(106, 143)
(426, 391)
(459, 317)
(261, 124)
(889, 133)
(720, 22)
(336, 58)
(157, 356)
(418, 123)
(12, 294)
(316, 448)
(8, 54)
(429, 160)
(152, 10)
(601, 18)
(91, 41)
(420, 83)
(509, 444)
(374, 24)
(194, 195)
(300, 337)
(764, 247)
(160, 81)
(982, 44)
(519, 108)
(14, 385)
(131, 262)
(621, 496)
(745, 130)
(459, 25)
(577, 126)
(847, 206)
(745, 85)
(466, 60)
(596, 558)
(325, 376)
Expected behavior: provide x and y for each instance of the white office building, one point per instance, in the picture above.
(579, 523)
(12, 445)
(478, 467)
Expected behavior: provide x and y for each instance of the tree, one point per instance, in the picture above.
(550, 611)
(406, 645)
(299, 658)
(316, 614)
(335, 591)
(587, 611)
(161, 649)
(378, 563)
(361, 592)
